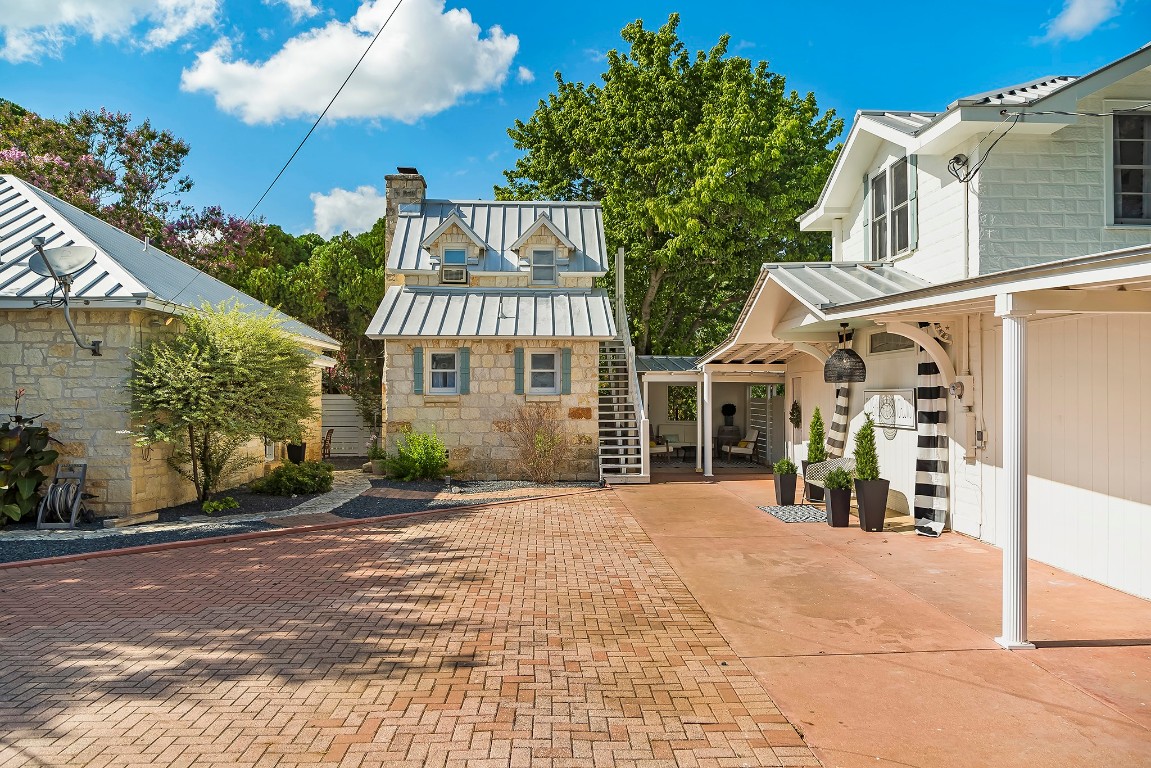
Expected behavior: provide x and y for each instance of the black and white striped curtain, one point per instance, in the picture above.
(837, 432)
(931, 475)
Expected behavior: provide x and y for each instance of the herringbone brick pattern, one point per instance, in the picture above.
(543, 633)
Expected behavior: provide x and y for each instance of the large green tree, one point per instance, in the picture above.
(226, 378)
(702, 164)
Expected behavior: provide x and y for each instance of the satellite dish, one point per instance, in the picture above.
(63, 261)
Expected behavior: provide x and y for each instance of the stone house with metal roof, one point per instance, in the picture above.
(129, 295)
(492, 306)
(992, 266)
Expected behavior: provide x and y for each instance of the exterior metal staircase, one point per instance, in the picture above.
(623, 426)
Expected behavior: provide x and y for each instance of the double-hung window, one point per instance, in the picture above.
(455, 266)
(445, 373)
(889, 206)
(1131, 165)
(544, 265)
(543, 373)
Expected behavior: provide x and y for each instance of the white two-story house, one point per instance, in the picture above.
(991, 265)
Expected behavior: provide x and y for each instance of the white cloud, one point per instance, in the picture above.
(300, 9)
(33, 29)
(525, 75)
(341, 209)
(425, 61)
(1080, 18)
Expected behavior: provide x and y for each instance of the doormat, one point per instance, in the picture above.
(798, 513)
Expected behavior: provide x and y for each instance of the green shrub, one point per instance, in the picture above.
(376, 452)
(784, 467)
(23, 451)
(838, 479)
(219, 505)
(419, 456)
(815, 450)
(296, 479)
(866, 456)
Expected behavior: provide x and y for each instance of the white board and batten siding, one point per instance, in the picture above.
(1089, 417)
(351, 434)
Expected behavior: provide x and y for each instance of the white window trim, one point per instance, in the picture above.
(1110, 105)
(555, 252)
(431, 388)
(889, 214)
(558, 370)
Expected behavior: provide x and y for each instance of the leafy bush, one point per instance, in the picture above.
(815, 437)
(784, 467)
(295, 479)
(419, 456)
(542, 440)
(219, 505)
(838, 479)
(23, 450)
(866, 456)
(376, 452)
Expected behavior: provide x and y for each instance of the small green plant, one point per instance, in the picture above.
(219, 505)
(419, 456)
(795, 416)
(784, 467)
(376, 452)
(866, 456)
(838, 479)
(23, 451)
(815, 437)
(295, 479)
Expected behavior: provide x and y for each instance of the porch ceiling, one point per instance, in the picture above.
(755, 354)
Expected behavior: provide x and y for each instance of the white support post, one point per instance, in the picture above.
(1015, 479)
(698, 427)
(707, 423)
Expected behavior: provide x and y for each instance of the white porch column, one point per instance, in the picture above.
(706, 447)
(698, 426)
(1015, 478)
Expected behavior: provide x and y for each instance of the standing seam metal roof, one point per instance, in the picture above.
(499, 224)
(416, 311)
(824, 285)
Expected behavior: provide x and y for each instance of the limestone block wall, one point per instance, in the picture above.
(475, 426)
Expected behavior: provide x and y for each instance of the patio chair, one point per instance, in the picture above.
(817, 473)
(745, 447)
(658, 445)
(326, 445)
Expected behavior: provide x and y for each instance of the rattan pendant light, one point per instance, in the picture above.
(845, 366)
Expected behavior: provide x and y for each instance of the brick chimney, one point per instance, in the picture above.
(405, 187)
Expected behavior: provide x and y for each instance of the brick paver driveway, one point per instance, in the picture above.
(546, 633)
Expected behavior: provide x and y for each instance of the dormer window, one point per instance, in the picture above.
(454, 268)
(544, 265)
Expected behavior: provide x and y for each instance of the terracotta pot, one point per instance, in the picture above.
(871, 495)
(838, 507)
(785, 489)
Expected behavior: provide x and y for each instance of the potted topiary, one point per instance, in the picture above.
(838, 484)
(728, 411)
(784, 475)
(815, 453)
(870, 488)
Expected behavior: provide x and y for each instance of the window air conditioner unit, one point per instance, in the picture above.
(454, 275)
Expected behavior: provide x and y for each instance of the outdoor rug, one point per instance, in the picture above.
(798, 513)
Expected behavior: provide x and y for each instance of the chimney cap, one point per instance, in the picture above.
(407, 169)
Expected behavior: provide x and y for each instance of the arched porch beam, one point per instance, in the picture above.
(929, 344)
(808, 349)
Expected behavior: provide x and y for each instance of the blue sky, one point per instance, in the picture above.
(243, 81)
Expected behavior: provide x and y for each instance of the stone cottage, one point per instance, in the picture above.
(492, 306)
(129, 295)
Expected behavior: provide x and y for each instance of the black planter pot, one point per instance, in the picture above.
(871, 496)
(785, 490)
(814, 492)
(838, 507)
(296, 452)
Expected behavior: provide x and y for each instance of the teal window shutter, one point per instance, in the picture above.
(418, 370)
(519, 370)
(912, 201)
(465, 371)
(866, 218)
(566, 380)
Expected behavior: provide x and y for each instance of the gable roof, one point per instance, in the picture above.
(453, 220)
(499, 224)
(126, 273)
(940, 132)
(544, 221)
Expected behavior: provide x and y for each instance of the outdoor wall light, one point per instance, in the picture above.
(845, 366)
